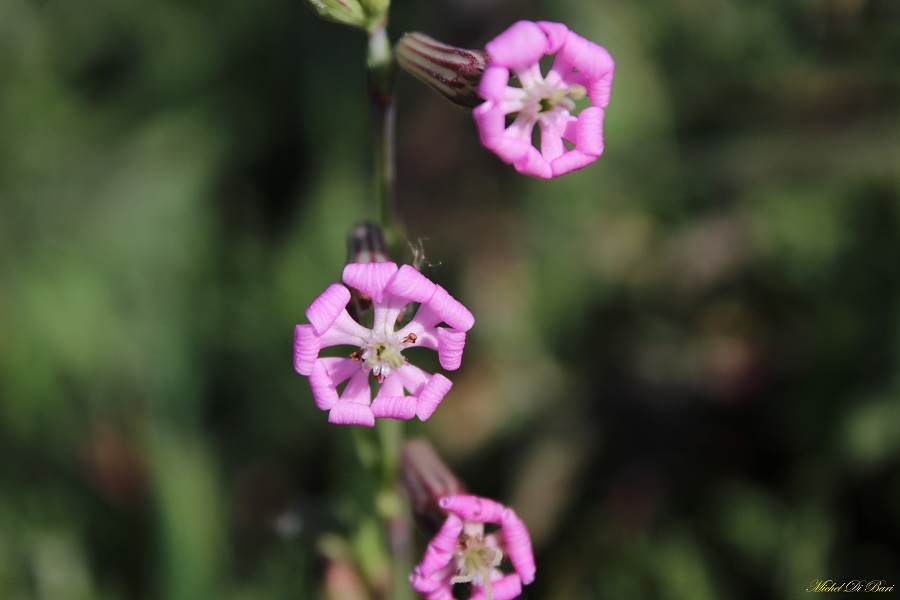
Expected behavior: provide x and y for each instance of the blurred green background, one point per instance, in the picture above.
(685, 370)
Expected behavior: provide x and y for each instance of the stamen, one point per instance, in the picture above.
(475, 561)
(577, 91)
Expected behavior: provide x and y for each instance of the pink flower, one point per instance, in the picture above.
(462, 553)
(581, 69)
(378, 351)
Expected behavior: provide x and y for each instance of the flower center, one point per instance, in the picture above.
(383, 354)
(475, 559)
(541, 98)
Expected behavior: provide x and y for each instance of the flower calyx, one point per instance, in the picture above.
(451, 71)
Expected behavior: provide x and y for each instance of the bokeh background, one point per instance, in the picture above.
(685, 372)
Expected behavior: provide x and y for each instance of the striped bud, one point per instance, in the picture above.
(427, 480)
(452, 72)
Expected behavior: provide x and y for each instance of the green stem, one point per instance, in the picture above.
(395, 516)
(380, 62)
(394, 511)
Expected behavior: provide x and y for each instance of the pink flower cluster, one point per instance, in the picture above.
(377, 352)
(581, 69)
(462, 553)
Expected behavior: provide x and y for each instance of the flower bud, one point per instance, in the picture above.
(427, 479)
(362, 14)
(366, 244)
(453, 72)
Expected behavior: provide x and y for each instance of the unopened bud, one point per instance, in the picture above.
(346, 12)
(362, 14)
(366, 244)
(453, 72)
(427, 479)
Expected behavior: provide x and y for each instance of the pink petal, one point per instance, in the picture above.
(357, 389)
(323, 388)
(518, 545)
(393, 385)
(412, 378)
(306, 348)
(351, 413)
(552, 146)
(344, 331)
(443, 308)
(491, 123)
(425, 337)
(450, 310)
(429, 398)
(556, 35)
(507, 588)
(411, 285)
(510, 144)
(369, 278)
(571, 161)
(326, 308)
(327, 374)
(394, 407)
(450, 347)
(586, 56)
(432, 589)
(473, 508)
(386, 314)
(494, 83)
(534, 164)
(440, 548)
(520, 45)
(589, 131)
(599, 90)
(512, 150)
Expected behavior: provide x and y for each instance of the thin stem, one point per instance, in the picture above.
(396, 515)
(381, 78)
